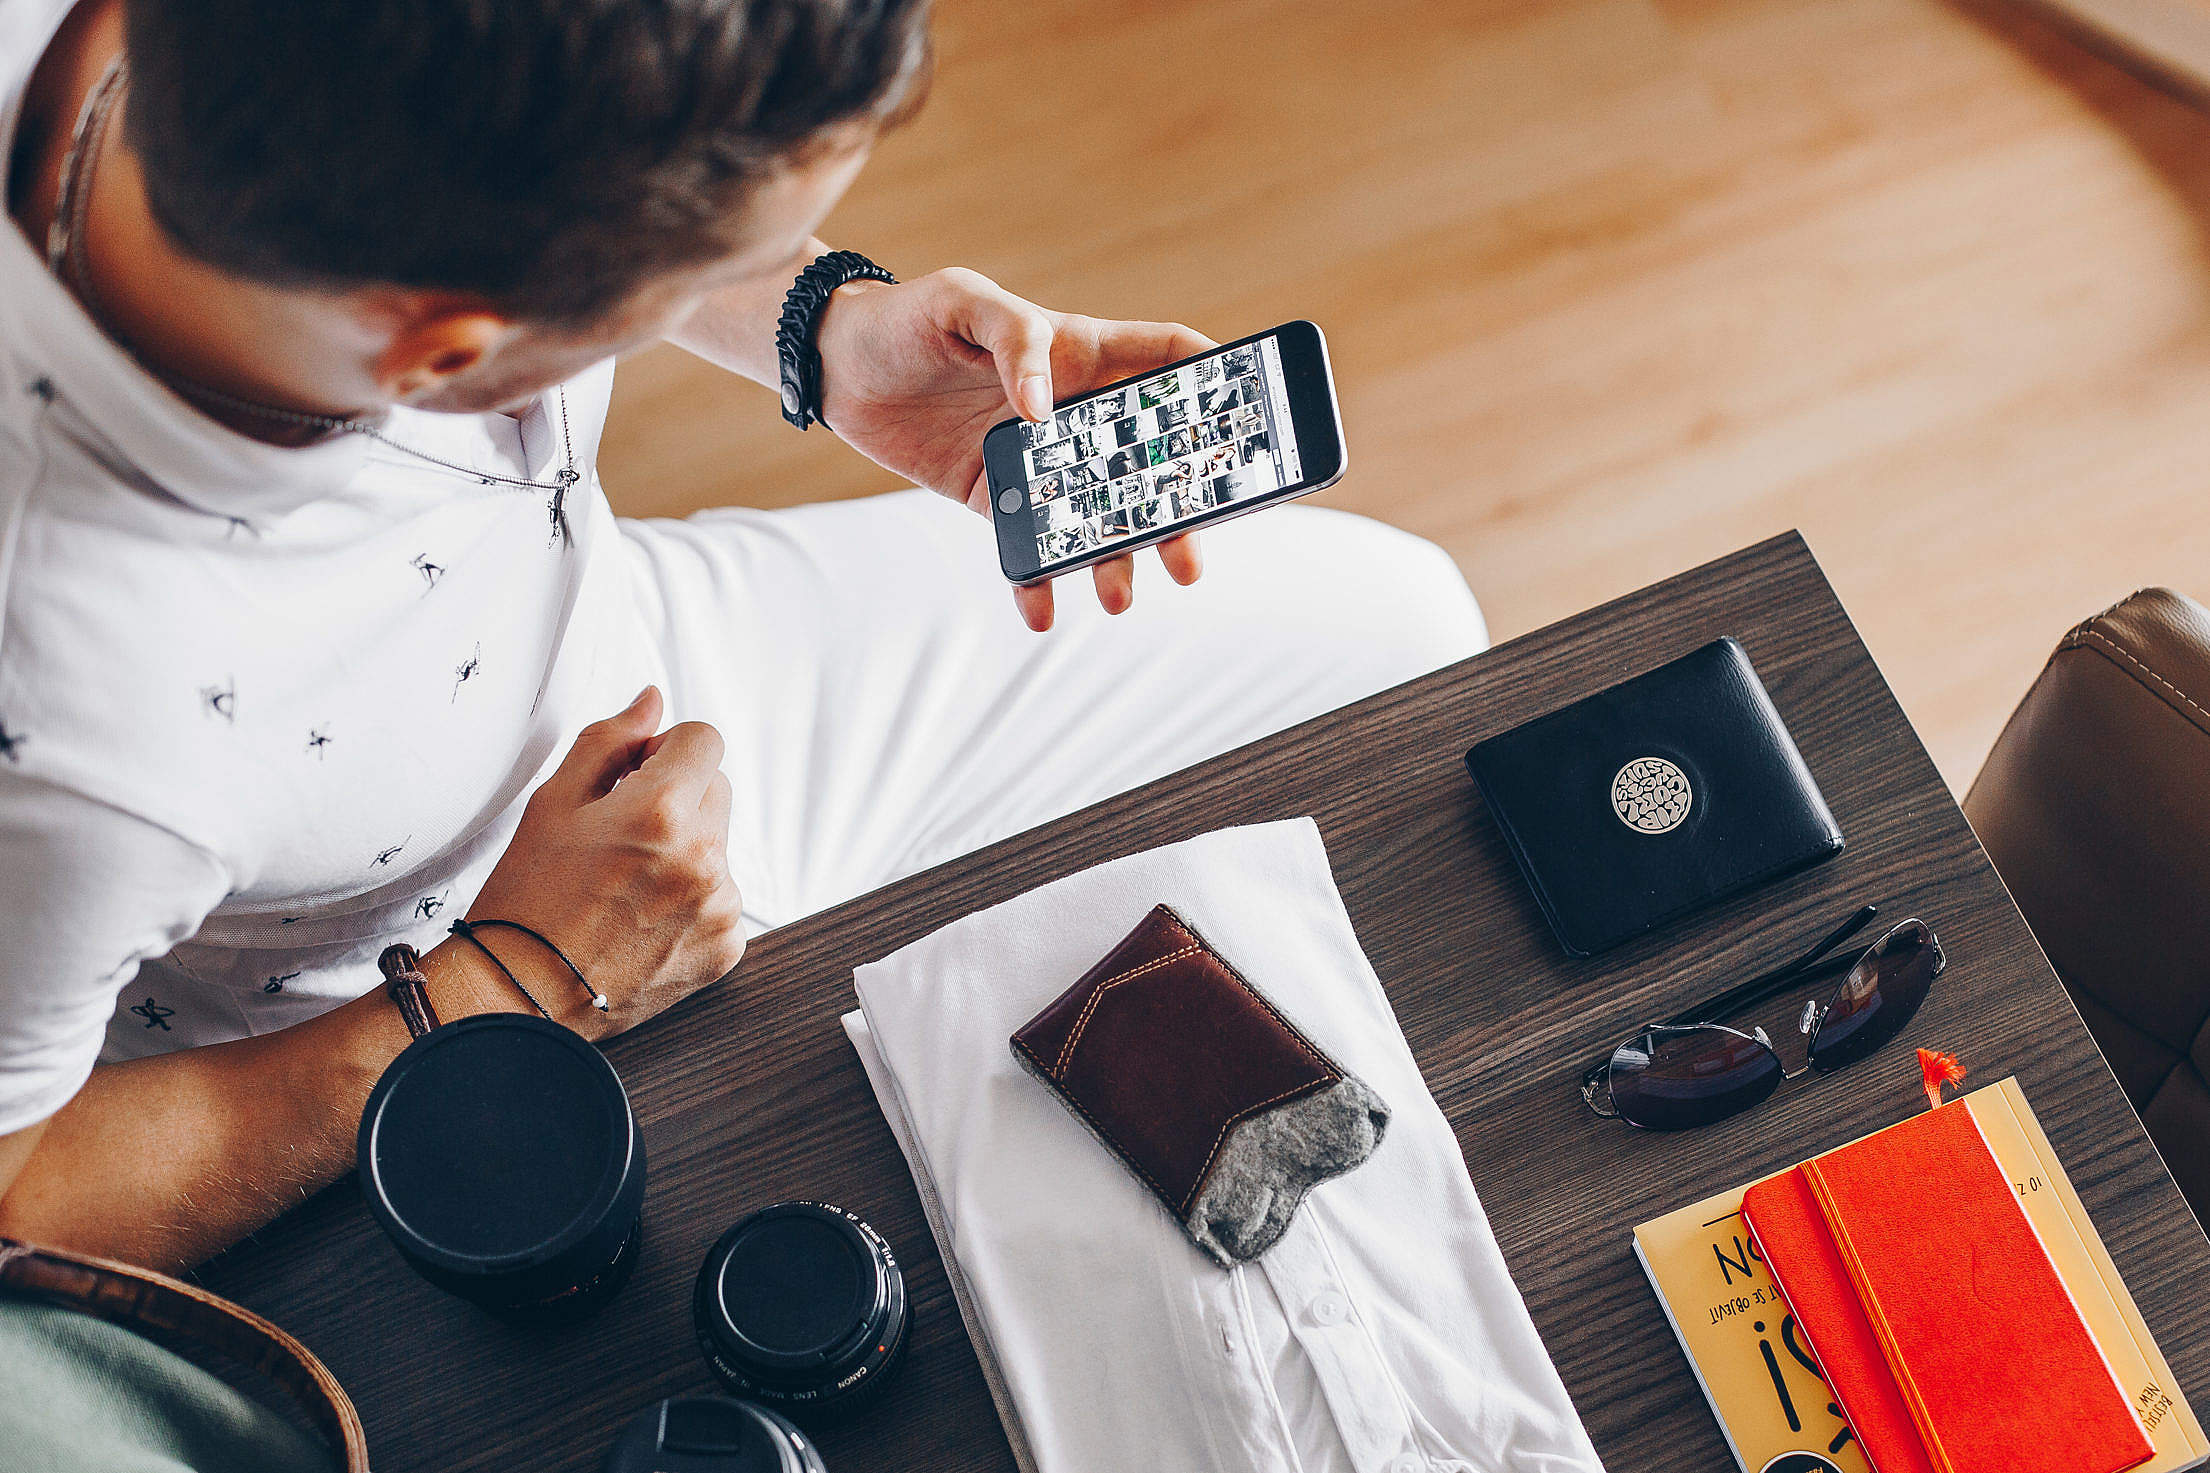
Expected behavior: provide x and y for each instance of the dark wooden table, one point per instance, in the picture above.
(749, 1092)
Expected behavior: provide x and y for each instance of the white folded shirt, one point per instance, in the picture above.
(1381, 1335)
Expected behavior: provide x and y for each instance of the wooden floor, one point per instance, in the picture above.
(1612, 287)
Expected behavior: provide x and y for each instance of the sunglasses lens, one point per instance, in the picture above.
(1878, 997)
(1675, 1078)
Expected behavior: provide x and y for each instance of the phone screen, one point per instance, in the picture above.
(1163, 450)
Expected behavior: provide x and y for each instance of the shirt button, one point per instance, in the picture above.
(1330, 1308)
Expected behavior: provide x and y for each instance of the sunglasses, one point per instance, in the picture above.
(1690, 1070)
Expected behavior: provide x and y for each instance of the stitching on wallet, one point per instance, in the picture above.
(1066, 1050)
(1325, 1064)
(1330, 1075)
(1197, 1183)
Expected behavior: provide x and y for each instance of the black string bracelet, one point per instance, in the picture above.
(466, 931)
(459, 928)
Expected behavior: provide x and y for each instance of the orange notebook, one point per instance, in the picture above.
(1949, 1340)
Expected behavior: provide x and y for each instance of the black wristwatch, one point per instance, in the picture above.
(794, 330)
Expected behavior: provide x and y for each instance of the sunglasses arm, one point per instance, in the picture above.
(1759, 989)
(1810, 966)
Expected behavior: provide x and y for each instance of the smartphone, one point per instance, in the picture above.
(1229, 431)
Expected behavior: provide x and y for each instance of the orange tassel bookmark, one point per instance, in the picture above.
(1939, 1069)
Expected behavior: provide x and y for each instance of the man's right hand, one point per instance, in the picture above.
(622, 860)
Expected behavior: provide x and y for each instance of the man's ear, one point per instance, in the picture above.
(439, 343)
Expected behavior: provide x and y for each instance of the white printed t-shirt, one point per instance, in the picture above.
(212, 649)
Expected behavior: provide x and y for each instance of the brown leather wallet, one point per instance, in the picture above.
(1216, 1101)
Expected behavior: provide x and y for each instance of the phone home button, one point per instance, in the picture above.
(1009, 502)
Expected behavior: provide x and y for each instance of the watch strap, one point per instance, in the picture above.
(409, 989)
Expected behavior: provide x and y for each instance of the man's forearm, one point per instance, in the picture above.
(164, 1161)
(735, 327)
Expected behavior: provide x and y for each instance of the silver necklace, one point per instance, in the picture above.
(65, 258)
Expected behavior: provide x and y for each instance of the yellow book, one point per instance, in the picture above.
(1765, 1388)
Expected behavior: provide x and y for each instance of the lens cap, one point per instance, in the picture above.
(711, 1434)
(500, 1155)
(802, 1306)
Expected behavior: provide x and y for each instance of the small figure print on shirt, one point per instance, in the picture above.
(430, 571)
(466, 670)
(428, 906)
(276, 984)
(155, 1014)
(9, 742)
(317, 739)
(388, 855)
(221, 700)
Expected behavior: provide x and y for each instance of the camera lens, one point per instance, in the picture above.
(801, 1307)
(500, 1156)
(711, 1434)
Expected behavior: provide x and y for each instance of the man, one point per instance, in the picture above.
(314, 613)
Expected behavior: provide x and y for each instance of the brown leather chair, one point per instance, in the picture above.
(2095, 806)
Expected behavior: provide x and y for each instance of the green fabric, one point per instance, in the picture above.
(79, 1395)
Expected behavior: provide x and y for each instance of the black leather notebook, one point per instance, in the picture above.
(1654, 798)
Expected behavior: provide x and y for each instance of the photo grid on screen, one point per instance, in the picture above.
(1160, 451)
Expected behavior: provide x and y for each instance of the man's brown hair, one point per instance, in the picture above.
(547, 155)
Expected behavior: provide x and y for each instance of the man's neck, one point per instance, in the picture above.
(188, 324)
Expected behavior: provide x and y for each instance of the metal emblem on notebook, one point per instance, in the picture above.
(1651, 795)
